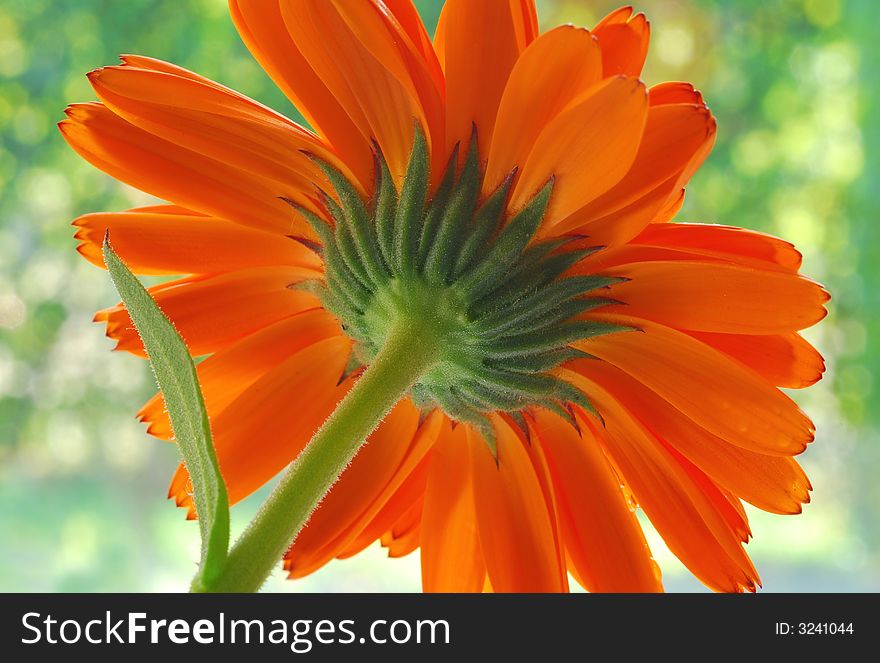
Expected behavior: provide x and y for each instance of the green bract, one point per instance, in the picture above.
(501, 302)
(176, 374)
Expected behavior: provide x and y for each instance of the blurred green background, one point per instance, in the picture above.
(793, 83)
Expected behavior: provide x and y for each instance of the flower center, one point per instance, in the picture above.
(500, 305)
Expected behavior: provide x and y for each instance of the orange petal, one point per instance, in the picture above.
(405, 486)
(261, 432)
(263, 31)
(542, 471)
(719, 298)
(452, 560)
(724, 242)
(193, 114)
(228, 373)
(624, 40)
(729, 505)
(722, 512)
(772, 483)
(659, 242)
(154, 64)
(407, 16)
(168, 171)
(587, 148)
(602, 536)
(366, 60)
(405, 489)
(478, 44)
(396, 37)
(408, 495)
(514, 520)
(616, 228)
(676, 140)
(684, 516)
(784, 360)
(210, 313)
(403, 538)
(554, 70)
(181, 491)
(721, 395)
(670, 209)
(175, 241)
(358, 487)
(394, 34)
(674, 92)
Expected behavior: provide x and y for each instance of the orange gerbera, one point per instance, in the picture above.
(516, 190)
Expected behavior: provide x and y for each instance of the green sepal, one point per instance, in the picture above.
(507, 248)
(489, 399)
(541, 341)
(451, 402)
(571, 394)
(538, 362)
(542, 301)
(562, 411)
(346, 284)
(521, 423)
(322, 229)
(485, 223)
(352, 365)
(343, 236)
(526, 384)
(444, 250)
(350, 317)
(411, 205)
(438, 206)
(570, 310)
(490, 437)
(314, 287)
(354, 221)
(524, 283)
(517, 281)
(332, 207)
(385, 208)
(335, 266)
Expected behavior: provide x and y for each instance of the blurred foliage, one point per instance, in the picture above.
(793, 83)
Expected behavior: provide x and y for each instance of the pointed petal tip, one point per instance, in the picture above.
(640, 21)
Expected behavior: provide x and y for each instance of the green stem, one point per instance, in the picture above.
(410, 349)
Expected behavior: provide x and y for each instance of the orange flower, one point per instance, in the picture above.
(597, 356)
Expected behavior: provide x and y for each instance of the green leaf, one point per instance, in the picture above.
(176, 374)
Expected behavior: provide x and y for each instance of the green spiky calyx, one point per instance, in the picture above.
(500, 304)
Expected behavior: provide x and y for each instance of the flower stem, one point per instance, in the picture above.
(410, 349)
